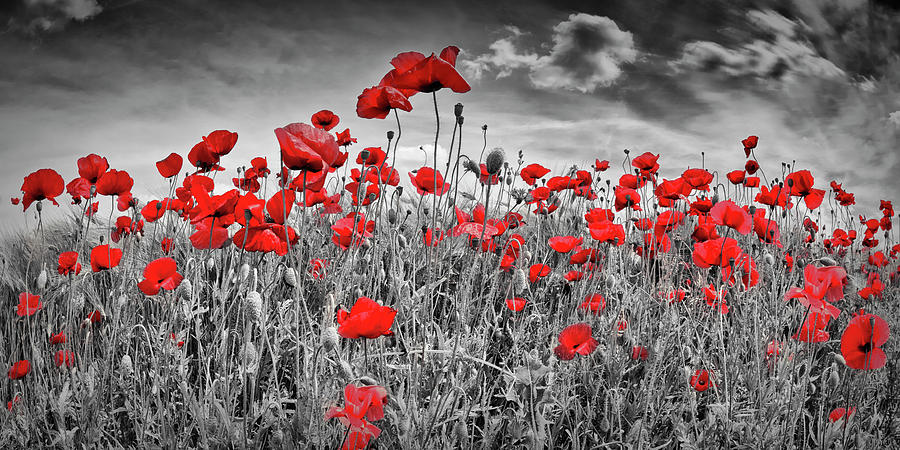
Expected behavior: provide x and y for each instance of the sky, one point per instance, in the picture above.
(565, 82)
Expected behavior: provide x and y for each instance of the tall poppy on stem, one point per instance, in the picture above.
(861, 341)
(44, 184)
(575, 339)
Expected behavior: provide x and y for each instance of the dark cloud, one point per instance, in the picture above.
(37, 16)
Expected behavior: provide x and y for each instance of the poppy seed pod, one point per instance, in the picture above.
(390, 135)
(185, 288)
(484, 127)
(245, 272)
(458, 109)
(827, 261)
(364, 155)
(495, 160)
(392, 216)
(460, 120)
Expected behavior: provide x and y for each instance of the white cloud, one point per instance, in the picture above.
(894, 118)
(783, 54)
(588, 52)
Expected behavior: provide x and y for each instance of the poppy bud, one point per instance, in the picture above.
(245, 272)
(399, 191)
(471, 166)
(159, 206)
(253, 306)
(790, 182)
(401, 241)
(520, 281)
(458, 109)
(827, 261)
(461, 433)
(250, 357)
(185, 289)
(210, 263)
(484, 127)
(839, 358)
(364, 155)
(346, 370)
(39, 206)
(627, 151)
(459, 120)
(494, 160)
(289, 276)
(126, 365)
(392, 216)
(42, 279)
(769, 259)
(247, 214)
(390, 134)
(833, 378)
(509, 181)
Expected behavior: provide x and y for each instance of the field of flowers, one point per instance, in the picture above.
(317, 298)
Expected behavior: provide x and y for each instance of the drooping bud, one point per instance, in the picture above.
(494, 161)
(289, 276)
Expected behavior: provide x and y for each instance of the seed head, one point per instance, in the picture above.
(329, 338)
(289, 276)
(494, 161)
(253, 306)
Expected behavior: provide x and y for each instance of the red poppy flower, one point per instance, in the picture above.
(350, 230)
(575, 339)
(749, 144)
(670, 191)
(813, 328)
(639, 352)
(65, 358)
(736, 176)
(265, 238)
(861, 341)
(729, 214)
(594, 304)
(839, 413)
(104, 257)
(626, 198)
(377, 101)
(777, 196)
(715, 252)
(715, 299)
(801, 185)
(697, 178)
(160, 274)
(361, 405)
(343, 138)
(751, 166)
(68, 263)
(564, 244)
(91, 167)
(600, 166)
(93, 318)
(325, 120)
(428, 74)
(367, 319)
(751, 182)
(43, 184)
(306, 148)
(28, 304)
(169, 166)
(19, 369)
(532, 172)
(12, 403)
(515, 304)
(646, 163)
(700, 380)
(218, 207)
(632, 181)
(668, 221)
(317, 268)
(280, 204)
(114, 182)
(59, 338)
(14, 200)
(538, 271)
(599, 215)
(426, 182)
(607, 232)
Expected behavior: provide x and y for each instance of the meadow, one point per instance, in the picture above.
(321, 298)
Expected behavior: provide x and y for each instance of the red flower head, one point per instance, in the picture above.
(367, 319)
(532, 172)
(813, 328)
(516, 304)
(736, 176)
(749, 144)
(104, 257)
(306, 148)
(170, 166)
(428, 74)
(700, 380)
(344, 138)
(594, 304)
(28, 304)
(220, 142)
(751, 167)
(68, 263)
(715, 252)
(19, 369)
(861, 341)
(778, 196)
(607, 232)
(350, 230)
(697, 178)
(114, 182)
(376, 157)
(639, 352)
(361, 405)
(839, 413)
(800, 184)
(729, 214)
(600, 166)
(265, 237)
(40, 185)
(426, 182)
(538, 271)
(160, 274)
(564, 244)
(626, 198)
(646, 163)
(59, 338)
(91, 167)
(65, 358)
(325, 120)
(377, 101)
(575, 339)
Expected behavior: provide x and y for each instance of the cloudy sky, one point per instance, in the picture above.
(132, 80)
